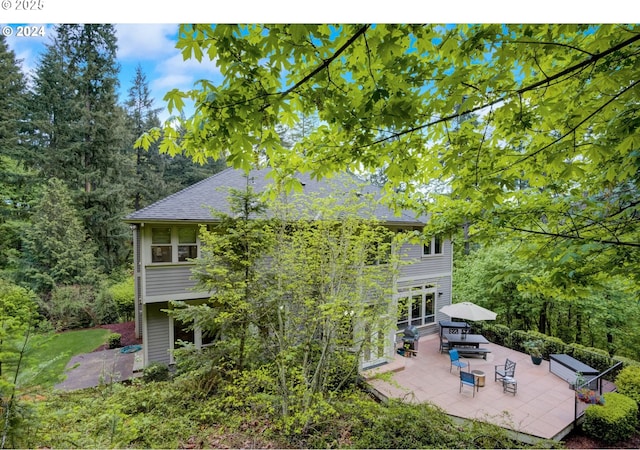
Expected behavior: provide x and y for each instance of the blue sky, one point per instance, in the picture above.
(152, 46)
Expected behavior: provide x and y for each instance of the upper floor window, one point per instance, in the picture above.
(161, 249)
(433, 247)
(174, 244)
(187, 243)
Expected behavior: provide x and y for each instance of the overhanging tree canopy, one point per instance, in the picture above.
(533, 128)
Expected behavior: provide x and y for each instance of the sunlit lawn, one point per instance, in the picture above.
(61, 348)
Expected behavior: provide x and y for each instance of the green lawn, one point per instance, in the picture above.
(61, 348)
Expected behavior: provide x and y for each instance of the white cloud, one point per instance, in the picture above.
(145, 41)
(175, 72)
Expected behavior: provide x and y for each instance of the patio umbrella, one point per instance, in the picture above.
(468, 311)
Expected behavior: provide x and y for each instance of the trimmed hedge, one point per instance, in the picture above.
(612, 422)
(496, 333)
(597, 358)
(628, 382)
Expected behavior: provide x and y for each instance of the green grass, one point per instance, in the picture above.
(58, 349)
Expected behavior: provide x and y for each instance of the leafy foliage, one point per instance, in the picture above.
(614, 421)
(601, 312)
(70, 307)
(17, 322)
(114, 340)
(168, 415)
(516, 120)
(628, 382)
(156, 372)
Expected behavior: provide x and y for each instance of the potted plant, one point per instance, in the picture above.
(534, 348)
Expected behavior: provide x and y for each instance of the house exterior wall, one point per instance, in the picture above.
(159, 283)
(435, 272)
(162, 281)
(156, 334)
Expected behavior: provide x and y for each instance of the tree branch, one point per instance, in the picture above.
(546, 80)
(328, 61)
(578, 238)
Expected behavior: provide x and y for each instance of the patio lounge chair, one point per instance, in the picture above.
(506, 370)
(468, 379)
(455, 360)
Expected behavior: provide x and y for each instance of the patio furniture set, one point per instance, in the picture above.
(455, 335)
(456, 339)
(476, 378)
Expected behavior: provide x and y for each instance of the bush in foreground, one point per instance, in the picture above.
(614, 421)
(628, 382)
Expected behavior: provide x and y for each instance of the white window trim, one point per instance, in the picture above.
(432, 247)
(409, 292)
(197, 339)
(174, 244)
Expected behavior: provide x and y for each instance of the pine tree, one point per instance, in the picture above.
(149, 184)
(80, 134)
(14, 180)
(57, 250)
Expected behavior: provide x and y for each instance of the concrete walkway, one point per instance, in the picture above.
(99, 368)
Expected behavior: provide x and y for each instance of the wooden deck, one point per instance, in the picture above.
(543, 406)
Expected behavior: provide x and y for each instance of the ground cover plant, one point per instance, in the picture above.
(168, 415)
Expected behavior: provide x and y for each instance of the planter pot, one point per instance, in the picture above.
(537, 360)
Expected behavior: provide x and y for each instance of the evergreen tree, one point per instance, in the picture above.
(149, 184)
(14, 180)
(80, 134)
(57, 250)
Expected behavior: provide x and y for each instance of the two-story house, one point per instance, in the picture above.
(165, 239)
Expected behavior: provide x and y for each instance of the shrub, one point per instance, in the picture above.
(105, 307)
(496, 333)
(614, 421)
(517, 340)
(628, 382)
(123, 297)
(553, 345)
(114, 340)
(156, 371)
(70, 307)
(594, 357)
(401, 425)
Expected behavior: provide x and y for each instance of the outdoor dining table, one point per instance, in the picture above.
(465, 339)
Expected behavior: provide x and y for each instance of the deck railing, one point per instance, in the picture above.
(600, 384)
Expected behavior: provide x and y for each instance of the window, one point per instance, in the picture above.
(187, 243)
(433, 247)
(416, 306)
(174, 244)
(160, 251)
(181, 334)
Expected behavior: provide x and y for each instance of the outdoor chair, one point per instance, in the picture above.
(468, 379)
(506, 370)
(455, 360)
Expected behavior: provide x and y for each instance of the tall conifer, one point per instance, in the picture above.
(81, 135)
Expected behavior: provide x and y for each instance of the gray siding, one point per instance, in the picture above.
(157, 342)
(169, 280)
(425, 265)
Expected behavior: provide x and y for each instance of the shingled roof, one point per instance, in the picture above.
(194, 203)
